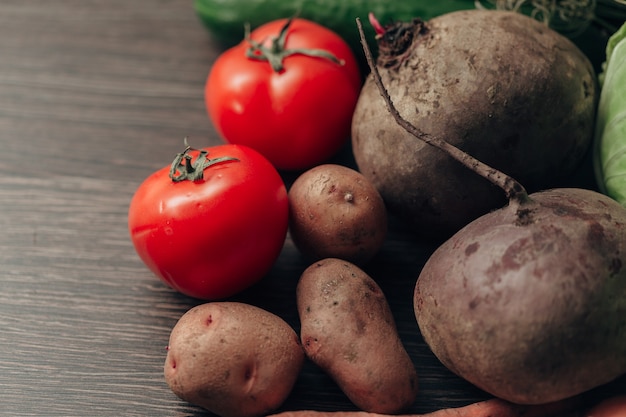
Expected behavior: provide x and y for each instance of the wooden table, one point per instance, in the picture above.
(94, 96)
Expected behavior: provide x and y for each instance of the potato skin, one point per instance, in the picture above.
(501, 86)
(335, 212)
(348, 330)
(531, 309)
(233, 359)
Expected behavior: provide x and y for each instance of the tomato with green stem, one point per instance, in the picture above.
(213, 223)
(287, 90)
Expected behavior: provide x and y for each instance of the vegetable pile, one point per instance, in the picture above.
(465, 126)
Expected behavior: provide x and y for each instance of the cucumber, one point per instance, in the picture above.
(225, 19)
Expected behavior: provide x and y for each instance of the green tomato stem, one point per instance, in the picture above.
(276, 53)
(183, 169)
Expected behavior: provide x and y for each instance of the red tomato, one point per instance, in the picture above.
(214, 236)
(298, 114)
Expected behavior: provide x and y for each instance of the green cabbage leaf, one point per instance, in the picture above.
(610, 133)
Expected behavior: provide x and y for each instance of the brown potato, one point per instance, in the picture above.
(234, 359)
(348, 330)
(336, 213)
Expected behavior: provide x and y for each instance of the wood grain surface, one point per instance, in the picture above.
(94, 96)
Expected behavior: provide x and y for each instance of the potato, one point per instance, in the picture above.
(234, 359)
(348, 330)
(337, 213)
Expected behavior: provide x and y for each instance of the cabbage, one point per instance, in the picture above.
(610, 133)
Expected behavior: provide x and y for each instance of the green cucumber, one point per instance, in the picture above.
(225, 19)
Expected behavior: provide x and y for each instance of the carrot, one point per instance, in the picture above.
(609, 407)
(487, 408)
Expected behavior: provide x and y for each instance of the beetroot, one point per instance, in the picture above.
(499, 85)
(527, 302)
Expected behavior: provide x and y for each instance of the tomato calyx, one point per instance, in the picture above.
(277, 51)
(183, 169)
